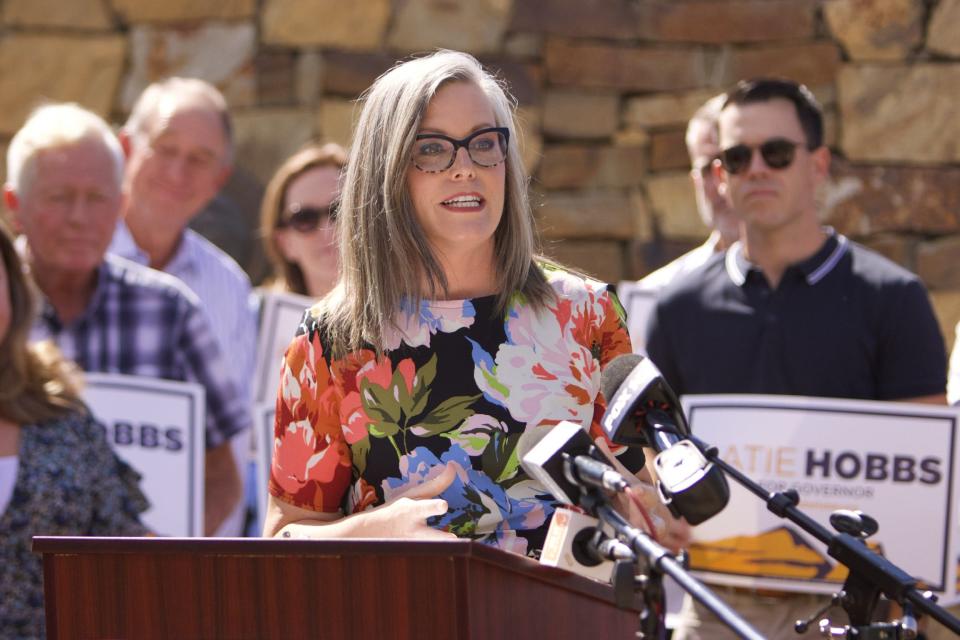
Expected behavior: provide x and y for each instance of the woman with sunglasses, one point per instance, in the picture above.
(297, 221)
(58, 475)
(407, 388)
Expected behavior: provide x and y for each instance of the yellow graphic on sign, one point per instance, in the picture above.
(777, 553)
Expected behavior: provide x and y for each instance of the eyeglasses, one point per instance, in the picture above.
(306, 219)
(777, 153)
(434, 152)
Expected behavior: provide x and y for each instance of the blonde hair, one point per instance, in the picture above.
(36, 382)
(179, 91)
(384, 254)
(55, 126)
(288, 275)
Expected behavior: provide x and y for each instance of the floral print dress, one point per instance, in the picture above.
(69, 483)
(457, 384)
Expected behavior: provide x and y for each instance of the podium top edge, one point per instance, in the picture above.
(255, 546)
(63, 546)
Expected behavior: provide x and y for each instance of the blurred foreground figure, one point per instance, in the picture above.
(58, 475)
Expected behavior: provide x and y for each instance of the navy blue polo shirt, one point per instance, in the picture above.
(844, 323)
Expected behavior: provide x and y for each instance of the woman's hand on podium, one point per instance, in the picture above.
(405, 516)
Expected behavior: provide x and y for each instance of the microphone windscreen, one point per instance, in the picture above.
(616, 372)
(542, 457)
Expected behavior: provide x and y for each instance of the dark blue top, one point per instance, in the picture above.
(844, 323)
(69, 483)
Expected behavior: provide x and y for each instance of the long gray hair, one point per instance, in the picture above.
(384, 254)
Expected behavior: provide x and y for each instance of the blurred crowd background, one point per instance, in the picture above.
(605, 89)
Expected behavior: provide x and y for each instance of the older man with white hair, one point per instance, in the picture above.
(64, 176)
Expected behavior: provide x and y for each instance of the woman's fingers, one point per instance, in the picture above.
(434, 486)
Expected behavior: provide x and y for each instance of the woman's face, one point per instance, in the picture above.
(458, 208)
(312, 248)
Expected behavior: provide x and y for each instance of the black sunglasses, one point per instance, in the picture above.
(435, 152)
(306, 219)
(777, 153)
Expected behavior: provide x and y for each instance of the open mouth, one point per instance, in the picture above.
(463, 202)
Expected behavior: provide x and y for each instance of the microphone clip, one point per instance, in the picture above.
(689, 484)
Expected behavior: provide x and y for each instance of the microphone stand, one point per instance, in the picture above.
(870, 574)
(658, 561)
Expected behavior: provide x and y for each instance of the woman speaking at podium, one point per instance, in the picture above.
(406, 389)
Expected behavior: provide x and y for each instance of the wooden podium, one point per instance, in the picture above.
(364, 589)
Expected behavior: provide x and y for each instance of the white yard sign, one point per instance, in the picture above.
(281, 314)
(639, 304)
(157, 427)
(895, 462)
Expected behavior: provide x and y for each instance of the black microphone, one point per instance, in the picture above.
(591, 546)
(560, 458)
(642, 410)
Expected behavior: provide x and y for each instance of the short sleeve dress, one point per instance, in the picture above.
(458, 383)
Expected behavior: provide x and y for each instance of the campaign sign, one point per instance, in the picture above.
(263, 416)
(895, 462)
(639, 304)
(157, 427)
(281, 314)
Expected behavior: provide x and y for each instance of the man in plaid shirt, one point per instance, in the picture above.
(110, 315)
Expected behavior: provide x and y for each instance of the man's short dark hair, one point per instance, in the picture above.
(765, 89)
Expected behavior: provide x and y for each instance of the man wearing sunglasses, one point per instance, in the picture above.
(793, 307)
(179, 146)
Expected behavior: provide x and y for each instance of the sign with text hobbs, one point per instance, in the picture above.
(157, 427)
(893, 461)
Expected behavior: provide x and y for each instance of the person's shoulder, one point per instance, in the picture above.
(315, 322)
(677, 269)
(213, 257)
(878, 270)
(74, 428)
(692, 285)
(570, 284)
(147, 282)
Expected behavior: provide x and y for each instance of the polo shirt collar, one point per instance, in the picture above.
(814, 269)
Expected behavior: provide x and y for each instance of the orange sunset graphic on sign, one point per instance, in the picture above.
(777, 553)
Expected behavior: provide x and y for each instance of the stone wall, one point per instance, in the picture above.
(605, 88)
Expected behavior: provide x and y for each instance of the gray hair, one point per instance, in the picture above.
(708, 115)
(180, 91)
(384, 253)
(55, 126)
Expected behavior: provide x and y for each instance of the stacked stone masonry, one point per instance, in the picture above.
(605, 88)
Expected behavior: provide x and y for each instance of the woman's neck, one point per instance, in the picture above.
(470, 274)
(319, 283)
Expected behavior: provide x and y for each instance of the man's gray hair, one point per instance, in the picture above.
(55, 126)
(708, 115)
(179, 91)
